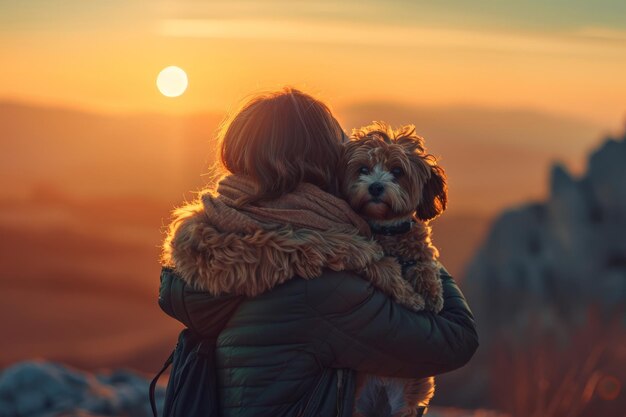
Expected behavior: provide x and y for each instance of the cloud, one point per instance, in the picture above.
(378, 34)
(604, 33)
(266, 8)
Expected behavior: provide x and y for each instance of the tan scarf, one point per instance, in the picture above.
(307, 207)
(221, 247)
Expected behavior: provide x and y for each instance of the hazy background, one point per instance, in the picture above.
(94, 157)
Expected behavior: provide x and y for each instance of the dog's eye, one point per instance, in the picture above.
(397, 172)
(364, 170)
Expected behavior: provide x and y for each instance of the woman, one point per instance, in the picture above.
(270, 269)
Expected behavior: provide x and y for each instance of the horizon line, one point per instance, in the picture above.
(105, 111)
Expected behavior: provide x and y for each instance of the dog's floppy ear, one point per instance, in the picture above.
(434, 195)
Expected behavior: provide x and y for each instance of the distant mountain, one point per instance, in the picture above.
(494, 157)
(94, 155)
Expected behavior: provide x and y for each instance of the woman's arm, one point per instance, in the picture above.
(365, 330)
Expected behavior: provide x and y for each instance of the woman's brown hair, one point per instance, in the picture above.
(280, 140)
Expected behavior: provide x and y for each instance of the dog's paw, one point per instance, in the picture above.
(434, 301)
(434, 304)
(386, 275)
(414, 301)
(426, 281)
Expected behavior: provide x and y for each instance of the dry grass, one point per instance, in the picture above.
(577, 375)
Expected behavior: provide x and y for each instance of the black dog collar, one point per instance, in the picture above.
(397, 229)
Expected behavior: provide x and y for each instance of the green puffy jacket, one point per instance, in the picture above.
(294, 350)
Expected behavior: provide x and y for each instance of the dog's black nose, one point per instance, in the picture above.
(376, 189)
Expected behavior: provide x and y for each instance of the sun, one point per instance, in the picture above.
(172, 81)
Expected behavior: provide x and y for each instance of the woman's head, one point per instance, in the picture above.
(280, 140)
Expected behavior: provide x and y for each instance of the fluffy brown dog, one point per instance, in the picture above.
(397, 187)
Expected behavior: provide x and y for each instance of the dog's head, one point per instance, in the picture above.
(387, 174)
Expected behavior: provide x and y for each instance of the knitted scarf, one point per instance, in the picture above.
(307, 207)
(220, 246)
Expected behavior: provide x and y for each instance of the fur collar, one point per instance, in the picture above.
(250, 263)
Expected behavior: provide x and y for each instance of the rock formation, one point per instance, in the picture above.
(40, 389)
(553, 259)
(548, 290)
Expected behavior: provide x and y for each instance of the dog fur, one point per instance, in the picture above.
(395, 185)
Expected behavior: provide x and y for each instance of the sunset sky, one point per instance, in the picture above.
(562, 57)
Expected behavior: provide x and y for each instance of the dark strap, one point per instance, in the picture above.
(167, 363)
(420, 411)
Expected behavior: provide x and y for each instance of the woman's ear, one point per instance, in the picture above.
(434, 195)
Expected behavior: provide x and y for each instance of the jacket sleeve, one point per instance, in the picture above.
(365, 330)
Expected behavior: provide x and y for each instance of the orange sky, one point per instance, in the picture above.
(106, 55)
